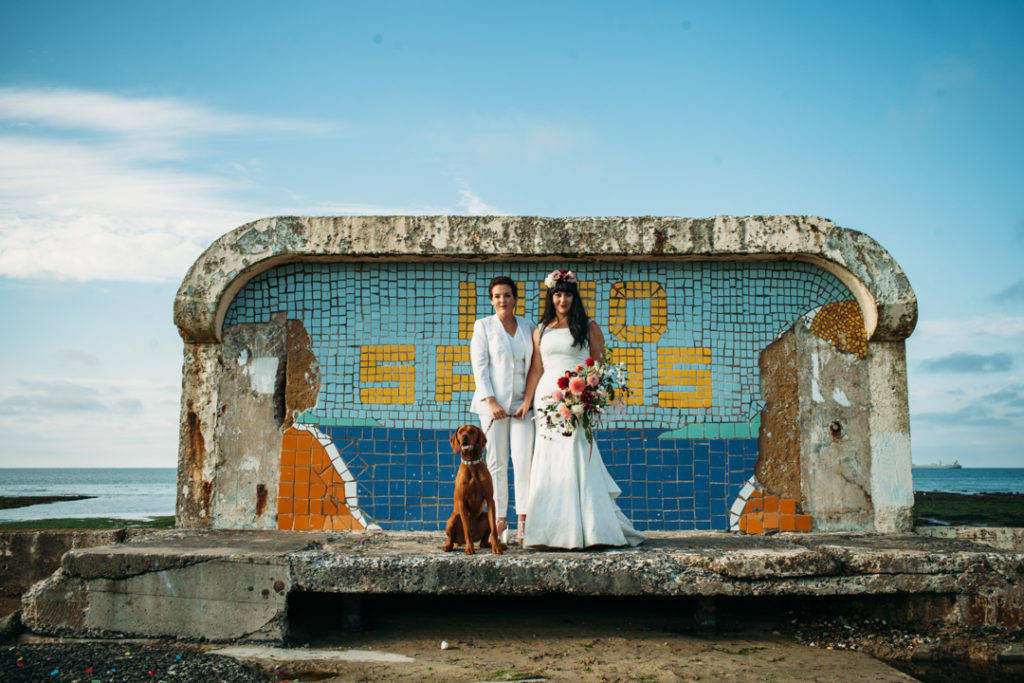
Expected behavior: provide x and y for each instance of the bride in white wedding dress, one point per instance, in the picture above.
(572, 495)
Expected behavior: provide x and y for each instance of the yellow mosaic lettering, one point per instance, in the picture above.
(377, 364)
(669, 374)
(588, 294)
(623, 292)
(467, 309)
(521, 299)
(448, 381)
(633, 359)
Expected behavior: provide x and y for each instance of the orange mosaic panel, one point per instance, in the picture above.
(764, 514)
(311, 493)
(841, 324)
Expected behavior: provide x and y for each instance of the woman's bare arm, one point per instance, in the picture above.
(532, 376)
(596, 339)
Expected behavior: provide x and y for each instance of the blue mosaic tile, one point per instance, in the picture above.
(400, 362)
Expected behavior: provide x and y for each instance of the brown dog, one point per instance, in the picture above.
(473, 488)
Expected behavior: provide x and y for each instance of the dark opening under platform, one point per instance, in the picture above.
(240, 585)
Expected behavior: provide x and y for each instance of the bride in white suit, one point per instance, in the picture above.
(501, 352)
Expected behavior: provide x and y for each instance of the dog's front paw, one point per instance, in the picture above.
(447, 547)
(470, 550)
(498, 548)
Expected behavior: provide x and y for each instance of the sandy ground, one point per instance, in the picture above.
(550, 639)
(566, 640)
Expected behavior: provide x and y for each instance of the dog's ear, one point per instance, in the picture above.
(455, 440)
(482, 441)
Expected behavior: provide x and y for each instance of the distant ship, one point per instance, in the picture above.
(955, 465)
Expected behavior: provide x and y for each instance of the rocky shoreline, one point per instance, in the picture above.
(11, 502)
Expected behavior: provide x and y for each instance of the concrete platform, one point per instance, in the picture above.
(235, 585)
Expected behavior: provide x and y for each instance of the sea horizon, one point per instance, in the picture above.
(148, 492)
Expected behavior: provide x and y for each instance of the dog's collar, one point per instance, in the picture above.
(473, 462)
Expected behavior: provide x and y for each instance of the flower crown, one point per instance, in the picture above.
(560, 274)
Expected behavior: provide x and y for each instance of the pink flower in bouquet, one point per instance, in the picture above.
(577, 384)
(564, 411)
(579, 367)
(557, 395)
(593, 380)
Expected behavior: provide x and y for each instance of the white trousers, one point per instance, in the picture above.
(504, 438)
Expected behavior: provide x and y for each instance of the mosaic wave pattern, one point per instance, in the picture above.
(392, 341)
(406, 477)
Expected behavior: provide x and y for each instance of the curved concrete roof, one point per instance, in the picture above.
(876, 280)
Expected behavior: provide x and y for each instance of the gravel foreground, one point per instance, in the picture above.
(89, 661)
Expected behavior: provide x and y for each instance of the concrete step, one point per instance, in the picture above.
(235, 585)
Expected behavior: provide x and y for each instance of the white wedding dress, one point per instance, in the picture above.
(572, 495)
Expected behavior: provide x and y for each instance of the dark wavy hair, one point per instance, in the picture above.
(503, 280)
(579, 321)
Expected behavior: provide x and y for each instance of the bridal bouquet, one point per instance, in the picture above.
(583, 395)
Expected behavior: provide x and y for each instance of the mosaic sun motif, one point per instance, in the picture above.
(842, 325)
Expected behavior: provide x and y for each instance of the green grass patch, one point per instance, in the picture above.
(165, 522)
(958, 509)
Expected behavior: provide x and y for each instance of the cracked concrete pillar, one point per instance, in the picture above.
(892, 487)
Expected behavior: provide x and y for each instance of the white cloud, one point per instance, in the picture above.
(996, 325)
(152, 117)
(76, 206)
(946, 399)
(111, 198)
(474, 206)
(80, 211)
(87, 422)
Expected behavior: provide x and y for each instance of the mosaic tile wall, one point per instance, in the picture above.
(392, 341)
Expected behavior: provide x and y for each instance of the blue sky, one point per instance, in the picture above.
(133, 134)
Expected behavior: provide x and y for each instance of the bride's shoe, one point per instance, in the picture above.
(501, 529)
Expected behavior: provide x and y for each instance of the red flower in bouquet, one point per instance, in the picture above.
(582, 396)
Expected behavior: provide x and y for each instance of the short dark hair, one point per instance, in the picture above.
(503, 280)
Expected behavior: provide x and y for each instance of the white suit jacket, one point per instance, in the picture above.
(493, 365)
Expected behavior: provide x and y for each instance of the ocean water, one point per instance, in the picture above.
(971, 480)
(146, 493)
(136, 493)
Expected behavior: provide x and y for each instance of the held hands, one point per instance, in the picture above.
(522, 411)
(497, 412)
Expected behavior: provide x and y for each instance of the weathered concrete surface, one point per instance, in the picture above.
(200, 373)
(1003, 537)
(778, 466)
(238, 399)
(835, 432)
(216, 585)
(250, 424)
(876, 280)
(892, 484)
(227, 585)
(29, 555)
